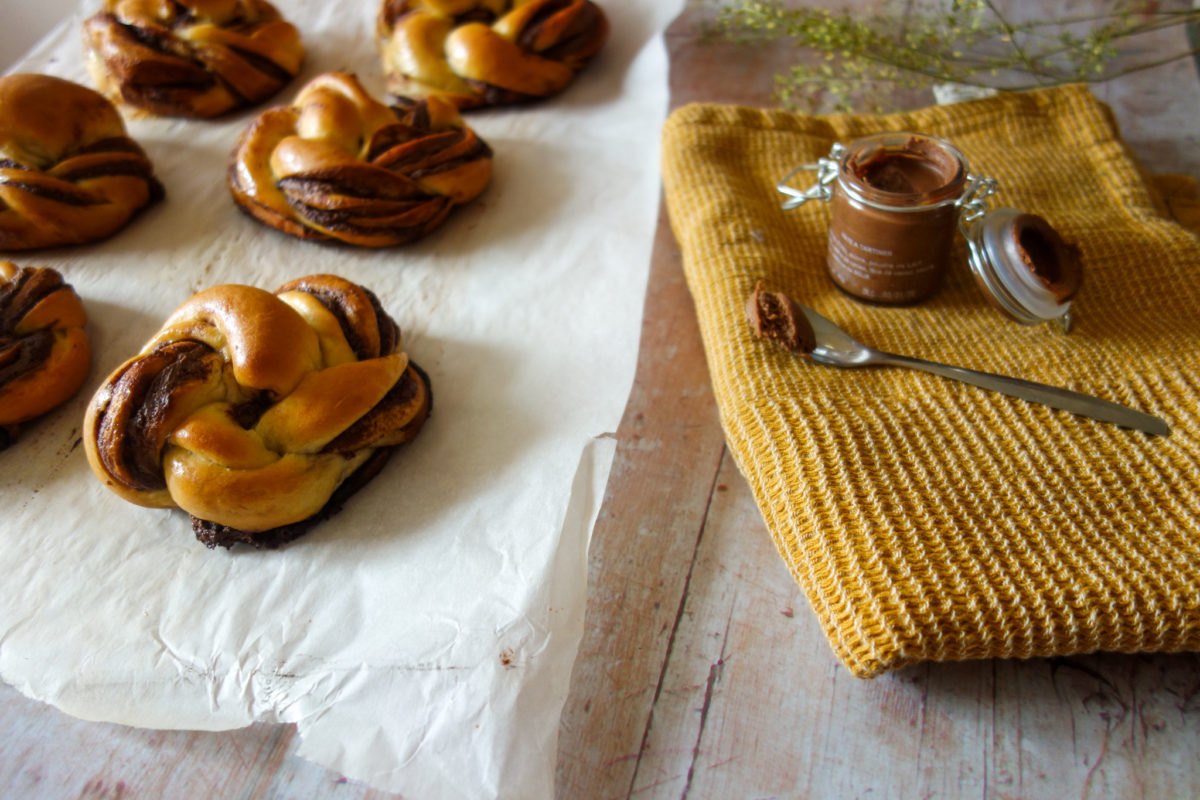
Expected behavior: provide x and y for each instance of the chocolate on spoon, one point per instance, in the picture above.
(775, 317)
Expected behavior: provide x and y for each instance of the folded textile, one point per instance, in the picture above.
(930, 520)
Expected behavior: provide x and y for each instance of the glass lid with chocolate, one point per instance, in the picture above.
(897, 199)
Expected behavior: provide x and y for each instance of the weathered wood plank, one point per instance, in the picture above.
(668, 450)
(740, 704)
(47, 754)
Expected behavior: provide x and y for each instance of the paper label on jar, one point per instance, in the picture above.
(873, 272)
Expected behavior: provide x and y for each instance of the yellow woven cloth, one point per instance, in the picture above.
(924, 518)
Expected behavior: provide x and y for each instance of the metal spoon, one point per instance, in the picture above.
(837, 348)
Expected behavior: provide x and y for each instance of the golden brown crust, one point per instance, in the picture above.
(68, 172)
(338, 165)
(249, 409)
(191, 58)
(45, 353)
(487, 52)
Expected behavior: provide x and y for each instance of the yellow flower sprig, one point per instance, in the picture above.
(862, 58)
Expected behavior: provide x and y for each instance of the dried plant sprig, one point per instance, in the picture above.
(867, 56)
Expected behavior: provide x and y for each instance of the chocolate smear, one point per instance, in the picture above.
(1054, 262)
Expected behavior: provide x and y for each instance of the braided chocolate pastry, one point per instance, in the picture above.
(68, 172)
(258, 413)
(339, 165)
(191, 58)
(487, 52)
(44, 352)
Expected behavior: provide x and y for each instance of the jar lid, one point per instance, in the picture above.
(1024, 266)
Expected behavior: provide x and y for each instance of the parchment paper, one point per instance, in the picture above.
(422, 639)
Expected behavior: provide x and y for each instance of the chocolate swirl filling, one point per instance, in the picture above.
(347, 307)
(133, 427)
(27, 288)
(495, 96)
(578, 41)
(63, 193)
(263, 64)
(407, 223)
(22, 354)
(429, 155)
(410, 399)
(124, 157)
(177, 69)
(165, 62)
(391, 200)
(127, 164)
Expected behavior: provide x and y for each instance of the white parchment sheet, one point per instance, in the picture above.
(422, 639)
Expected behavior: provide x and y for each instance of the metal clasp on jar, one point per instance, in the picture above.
(973, 201)
(827, 171)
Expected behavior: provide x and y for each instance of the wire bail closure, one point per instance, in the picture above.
(972, 203)
(827, 170)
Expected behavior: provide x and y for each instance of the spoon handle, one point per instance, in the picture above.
(1052, 396)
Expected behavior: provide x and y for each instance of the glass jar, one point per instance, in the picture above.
(897, 199)
(894, 214)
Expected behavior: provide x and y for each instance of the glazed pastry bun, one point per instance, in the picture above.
(487, 52)
(258, 413)
(44, 351)
(338, 165)
(68, 172)
(191, 58)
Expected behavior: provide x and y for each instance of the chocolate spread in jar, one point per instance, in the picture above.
(894, 216)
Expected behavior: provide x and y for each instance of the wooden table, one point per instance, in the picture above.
(702, 672)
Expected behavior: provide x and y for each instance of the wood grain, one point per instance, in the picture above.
(47, 754)
(669, 447)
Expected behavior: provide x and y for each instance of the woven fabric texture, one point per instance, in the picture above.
(926, 519)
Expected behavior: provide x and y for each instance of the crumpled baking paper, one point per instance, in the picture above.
(422, 639)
